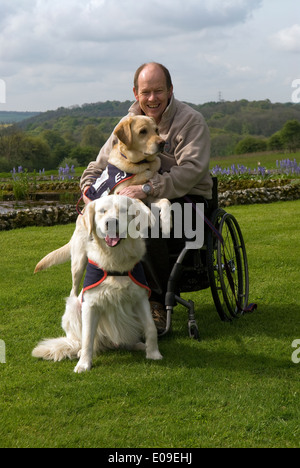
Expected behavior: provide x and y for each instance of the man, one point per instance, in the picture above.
(184, 166)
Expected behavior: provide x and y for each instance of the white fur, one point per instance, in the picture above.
(115, 314)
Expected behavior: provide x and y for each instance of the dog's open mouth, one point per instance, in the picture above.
(112, 241)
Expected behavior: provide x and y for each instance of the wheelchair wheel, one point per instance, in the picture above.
(227, 266)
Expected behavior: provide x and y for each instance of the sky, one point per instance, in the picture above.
(61, 53)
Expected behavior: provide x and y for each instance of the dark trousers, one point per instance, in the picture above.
(156, 262)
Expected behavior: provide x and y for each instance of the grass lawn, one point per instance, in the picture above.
(237, 387)
(252, 160)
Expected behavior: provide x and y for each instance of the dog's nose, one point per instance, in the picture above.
(112, 225)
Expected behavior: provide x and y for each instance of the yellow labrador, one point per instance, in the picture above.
(136, 159)
(113, 309)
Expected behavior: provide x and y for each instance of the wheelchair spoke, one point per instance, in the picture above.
(234, 277)
(215, 267)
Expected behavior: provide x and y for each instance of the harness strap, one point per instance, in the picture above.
(95, 275)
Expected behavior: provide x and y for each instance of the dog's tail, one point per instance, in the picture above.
(56, 349)
(56, 257)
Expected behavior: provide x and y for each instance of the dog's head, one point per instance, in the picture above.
(140, 135)
(114, 218)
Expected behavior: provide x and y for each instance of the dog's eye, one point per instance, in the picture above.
(143, 131)
(102, 211)
(157, 131)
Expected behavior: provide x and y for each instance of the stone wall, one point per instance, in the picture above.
(38, 216)
(64, 214)
(259, 195)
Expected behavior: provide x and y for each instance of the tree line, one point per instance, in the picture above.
(76, 134)
(49, 148)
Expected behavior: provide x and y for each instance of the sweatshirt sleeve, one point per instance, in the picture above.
(95, 168)
(192, 156)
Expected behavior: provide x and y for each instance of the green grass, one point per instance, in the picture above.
(251, 160)
(237, 387)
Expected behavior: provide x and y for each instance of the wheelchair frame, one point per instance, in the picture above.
(221, 264)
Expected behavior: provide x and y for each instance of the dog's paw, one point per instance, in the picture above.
(148, 174)
(136, 347)
(154, 355)
(83, 367)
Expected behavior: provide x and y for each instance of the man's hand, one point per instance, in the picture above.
(134, 191)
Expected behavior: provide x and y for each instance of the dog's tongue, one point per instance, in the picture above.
(112, 241)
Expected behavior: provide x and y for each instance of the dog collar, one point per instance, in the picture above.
(138, 163)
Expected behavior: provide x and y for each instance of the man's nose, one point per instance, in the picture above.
(152, 96)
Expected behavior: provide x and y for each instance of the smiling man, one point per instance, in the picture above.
(184, 167)
(153, 90)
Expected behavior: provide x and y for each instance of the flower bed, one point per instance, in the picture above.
(237, 185)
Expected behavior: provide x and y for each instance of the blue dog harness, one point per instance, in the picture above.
(96, 275)
(107, 182)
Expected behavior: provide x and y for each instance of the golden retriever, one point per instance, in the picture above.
(136, 157)
(113, 309)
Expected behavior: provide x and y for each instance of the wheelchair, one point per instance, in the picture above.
(220, 264)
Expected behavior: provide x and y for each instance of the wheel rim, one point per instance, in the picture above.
(227, 264)
(233, 266)
(213, 267)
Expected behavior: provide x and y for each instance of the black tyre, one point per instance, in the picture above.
(227, 265)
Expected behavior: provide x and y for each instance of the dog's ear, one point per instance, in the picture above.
(89, 215)
(123, 132)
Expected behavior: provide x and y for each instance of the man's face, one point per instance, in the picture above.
(152, 93)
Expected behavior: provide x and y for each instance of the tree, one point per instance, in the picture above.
(34, 154)
(290, 135)
(53, 138)
(91, 136)
(18, 149)
(275, 142)
(84, 155)
(250, 145)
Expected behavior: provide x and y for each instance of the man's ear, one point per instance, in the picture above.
(123, 132)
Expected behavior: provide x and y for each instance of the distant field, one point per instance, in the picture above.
(251, 160)
(14, 117)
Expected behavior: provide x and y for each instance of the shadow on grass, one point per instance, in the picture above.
(257, 343)
(260, 342)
